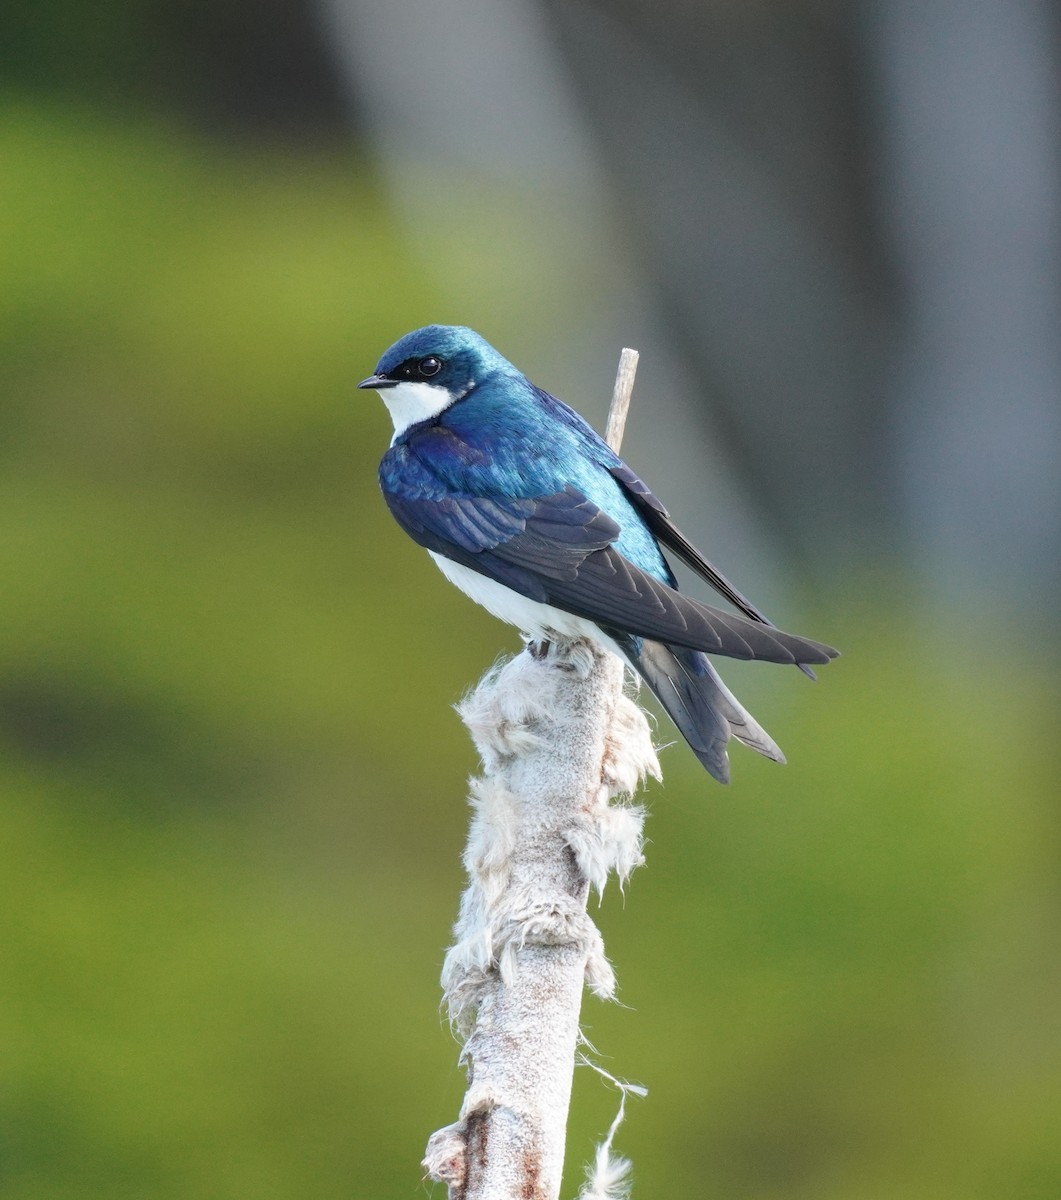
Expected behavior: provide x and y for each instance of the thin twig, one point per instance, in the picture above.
(620, 406)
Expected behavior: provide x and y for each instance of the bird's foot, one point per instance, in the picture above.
(539, 650)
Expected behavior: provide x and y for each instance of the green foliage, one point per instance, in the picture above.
(231, 783)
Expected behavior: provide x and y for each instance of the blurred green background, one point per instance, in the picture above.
(232, 783)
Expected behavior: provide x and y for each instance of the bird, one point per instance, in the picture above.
(526, 509)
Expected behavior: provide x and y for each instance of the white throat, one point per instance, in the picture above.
(410, 403)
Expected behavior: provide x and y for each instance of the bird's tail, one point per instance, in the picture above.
(699, 703)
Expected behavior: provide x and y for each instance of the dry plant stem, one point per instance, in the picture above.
(558, 740)
(620, 406)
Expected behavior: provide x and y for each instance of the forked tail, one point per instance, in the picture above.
(699, 703)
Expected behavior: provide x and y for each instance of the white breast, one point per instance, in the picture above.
(533, 618)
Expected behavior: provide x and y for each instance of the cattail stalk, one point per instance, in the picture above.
(559, 742)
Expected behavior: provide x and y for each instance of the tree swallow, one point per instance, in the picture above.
(529, 512)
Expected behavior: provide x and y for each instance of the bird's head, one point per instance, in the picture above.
(426, 371)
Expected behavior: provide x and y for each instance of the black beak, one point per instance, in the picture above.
(377, 381)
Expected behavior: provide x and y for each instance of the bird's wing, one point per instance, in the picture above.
(658, 520)
(558, 550)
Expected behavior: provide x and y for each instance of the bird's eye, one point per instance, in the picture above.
(429, 366)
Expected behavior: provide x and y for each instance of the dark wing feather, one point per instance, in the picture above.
(558, 550)
(550, 536)
(465, 523)
(658, 520)
(610, 590)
